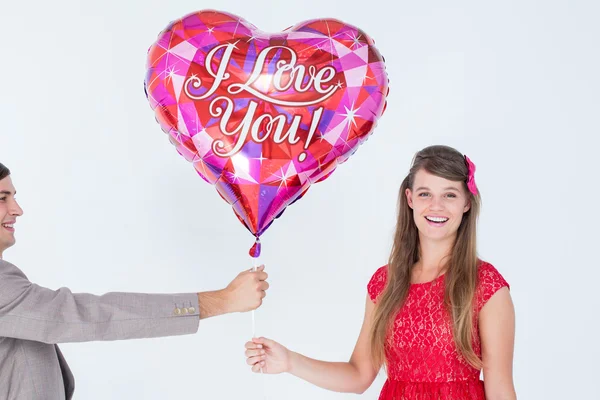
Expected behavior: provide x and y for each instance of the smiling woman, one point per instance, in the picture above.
(436, 315)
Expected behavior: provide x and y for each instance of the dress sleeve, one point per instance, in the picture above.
(490, 281)
(377, 283)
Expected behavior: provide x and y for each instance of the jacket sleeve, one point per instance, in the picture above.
(32, 312)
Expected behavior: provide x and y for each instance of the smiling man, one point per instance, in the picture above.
(33, 319)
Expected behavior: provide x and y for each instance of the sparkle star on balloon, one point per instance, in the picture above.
(262, 116)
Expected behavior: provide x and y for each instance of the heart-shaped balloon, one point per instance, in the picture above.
(263, 116)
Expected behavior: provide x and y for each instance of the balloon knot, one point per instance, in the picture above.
(255, 250)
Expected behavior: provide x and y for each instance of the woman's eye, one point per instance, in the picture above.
(423, 194)
(451, 195)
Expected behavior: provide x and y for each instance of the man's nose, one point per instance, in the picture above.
(16, 209)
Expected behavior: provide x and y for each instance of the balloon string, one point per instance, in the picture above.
(255, 266)
(256, 263)
(255, 254)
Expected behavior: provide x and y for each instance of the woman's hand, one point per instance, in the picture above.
(268, 355)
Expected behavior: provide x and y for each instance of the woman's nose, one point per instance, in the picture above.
(436, 203)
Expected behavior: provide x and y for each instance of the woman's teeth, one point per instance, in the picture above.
(436, 219)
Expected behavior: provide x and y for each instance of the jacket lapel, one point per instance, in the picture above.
(67, 375)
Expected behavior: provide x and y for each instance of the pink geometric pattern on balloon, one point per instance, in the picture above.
(423, 360)
(263, 116)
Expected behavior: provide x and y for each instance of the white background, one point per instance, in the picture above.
(111, 206)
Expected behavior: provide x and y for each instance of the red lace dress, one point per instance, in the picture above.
(423, 361)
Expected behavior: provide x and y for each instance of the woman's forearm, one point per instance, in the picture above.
(506, 392)
(336, 376)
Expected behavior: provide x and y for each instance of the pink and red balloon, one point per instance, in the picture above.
(262, 116)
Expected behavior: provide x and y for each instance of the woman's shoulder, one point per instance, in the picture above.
(486, 271)
(489, 281)
(377, 282)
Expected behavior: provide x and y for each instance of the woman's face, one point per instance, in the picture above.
(438, 205)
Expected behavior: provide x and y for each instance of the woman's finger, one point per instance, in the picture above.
(254, 360)
(257, 367)
(254, 352)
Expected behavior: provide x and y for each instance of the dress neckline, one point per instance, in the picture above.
(428, 282)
